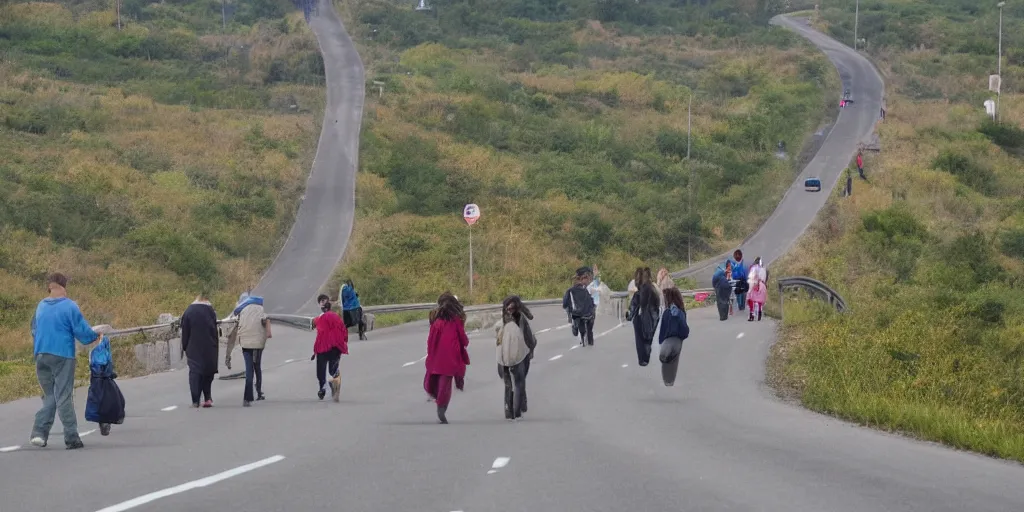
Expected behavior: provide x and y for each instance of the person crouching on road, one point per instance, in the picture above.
(673, 331)
(331, 342)
(515, 348)
(447, 356)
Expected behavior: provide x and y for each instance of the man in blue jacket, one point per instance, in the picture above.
(739, 274)
(56, 325)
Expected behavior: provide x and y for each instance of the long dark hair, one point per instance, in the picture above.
(673, 297)
(448, 308)
(518, 307)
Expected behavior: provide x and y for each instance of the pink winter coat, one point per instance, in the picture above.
(756, 279)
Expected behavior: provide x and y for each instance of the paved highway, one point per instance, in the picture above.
(602, 434)
(322, 227)
(798, 208)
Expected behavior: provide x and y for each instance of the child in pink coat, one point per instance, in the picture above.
(758, 293)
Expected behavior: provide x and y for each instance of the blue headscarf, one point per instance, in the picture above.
(245, 300)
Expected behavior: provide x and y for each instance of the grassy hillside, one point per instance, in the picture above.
(147, 160)
(929, 253)
(566, 122)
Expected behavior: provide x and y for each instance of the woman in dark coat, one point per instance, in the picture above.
(644, 312)
(447, 356)
(200, 342)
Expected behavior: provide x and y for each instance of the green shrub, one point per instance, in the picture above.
(1003, 134)
(1011, 243)
(967, 170)
(181, 253)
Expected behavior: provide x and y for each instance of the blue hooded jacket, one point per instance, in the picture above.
(244, 300)
(101, 364)
(56, 325)
(349, 298)
(739, 270)
(673, 324)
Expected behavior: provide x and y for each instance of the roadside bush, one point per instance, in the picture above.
(181, 253)
(1011, 243)
(895, 239)
(1003, 134)
(967, 170)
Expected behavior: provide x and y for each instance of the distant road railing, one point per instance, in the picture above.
(813, 287)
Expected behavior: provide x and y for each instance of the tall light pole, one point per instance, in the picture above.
(999, 59)
(856, 20)
(689, 202)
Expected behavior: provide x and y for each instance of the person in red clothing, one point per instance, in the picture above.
(447, 356)
(860, 164)
(331, 342)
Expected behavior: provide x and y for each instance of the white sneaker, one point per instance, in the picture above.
(38, 441)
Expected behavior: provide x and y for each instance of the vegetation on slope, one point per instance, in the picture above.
(146, 161)
(928, 253)
(567, 123)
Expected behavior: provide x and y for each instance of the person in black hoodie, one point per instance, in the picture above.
(643, 312)
(722, 283)
(579, 305)
(673, 331)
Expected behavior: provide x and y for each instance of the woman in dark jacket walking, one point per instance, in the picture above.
(673, 331)
(447, 356)
(200, 342)
(643, 312)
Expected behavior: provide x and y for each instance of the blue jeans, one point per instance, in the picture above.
(741, 301)
(57, 378)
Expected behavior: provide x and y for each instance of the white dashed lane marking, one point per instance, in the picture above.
(498, 463)
(625, 365)
(560, 327)
(188, 486)
(169, 408)
(740, 335)
(6, 449)
(559, 356)
(542, 331)
(576, 346)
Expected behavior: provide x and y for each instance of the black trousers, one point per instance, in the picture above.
(515, 389)
(586, 329)
(200, 385)
(327, 363)
(643, 345)
(253, 367)
(353, 318)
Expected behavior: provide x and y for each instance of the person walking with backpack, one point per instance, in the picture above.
(673, 331)
(579, 305)
(515, 346)
(739, 276)
(644, 310)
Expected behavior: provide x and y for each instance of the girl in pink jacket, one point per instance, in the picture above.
(758, 293)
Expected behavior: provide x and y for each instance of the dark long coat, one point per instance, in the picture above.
(199, 339)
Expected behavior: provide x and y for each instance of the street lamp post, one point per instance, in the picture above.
(689, 202)
(999, 59)
(856, 20)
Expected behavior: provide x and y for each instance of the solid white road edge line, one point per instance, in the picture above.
(203, 482)
(6, 449)
(169, 408)
(559, 356)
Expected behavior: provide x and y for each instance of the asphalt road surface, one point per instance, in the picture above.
(324, 222)
(798, 208)
(601, 434)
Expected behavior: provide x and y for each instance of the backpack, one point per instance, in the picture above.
(582, 302)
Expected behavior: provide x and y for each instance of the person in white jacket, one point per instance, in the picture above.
(758, 293)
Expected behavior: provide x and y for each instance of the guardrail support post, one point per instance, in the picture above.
(782, 296)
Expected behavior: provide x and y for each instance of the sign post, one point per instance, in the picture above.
(472, 214)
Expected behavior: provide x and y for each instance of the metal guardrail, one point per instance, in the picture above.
(814, 288)
(304, 322)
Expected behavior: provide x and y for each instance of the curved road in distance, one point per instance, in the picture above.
(601, 435)
(322, 227)
(798, 208)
